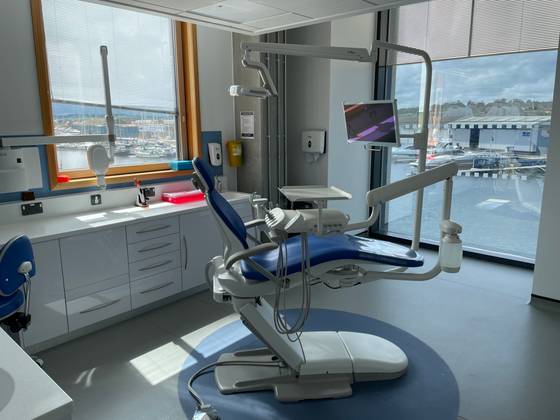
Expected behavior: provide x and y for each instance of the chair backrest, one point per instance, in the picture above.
(231, 225)
(13, 254)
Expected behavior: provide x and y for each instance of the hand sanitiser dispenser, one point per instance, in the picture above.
(215, 152)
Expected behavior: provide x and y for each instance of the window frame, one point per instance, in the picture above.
(189, 142)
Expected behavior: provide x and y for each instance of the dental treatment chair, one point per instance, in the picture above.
(295, 364)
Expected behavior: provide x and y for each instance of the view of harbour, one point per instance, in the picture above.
(143, 136)
(487, 207)
(492, 116)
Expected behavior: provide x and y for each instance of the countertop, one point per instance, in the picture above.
(42, 228)
(26, 391)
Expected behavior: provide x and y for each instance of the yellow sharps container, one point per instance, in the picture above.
(235, 153)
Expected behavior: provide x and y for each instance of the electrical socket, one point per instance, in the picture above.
(95, 199)
(31, 208)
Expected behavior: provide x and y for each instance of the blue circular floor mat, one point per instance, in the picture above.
(428, 390)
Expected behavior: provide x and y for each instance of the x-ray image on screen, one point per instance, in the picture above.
(372, 122)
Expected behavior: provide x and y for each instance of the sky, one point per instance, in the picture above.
(511, 76)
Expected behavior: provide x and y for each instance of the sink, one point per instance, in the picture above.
(7, 388)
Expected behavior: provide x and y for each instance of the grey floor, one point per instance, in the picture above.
(504, 352)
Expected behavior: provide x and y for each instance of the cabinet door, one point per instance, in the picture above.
(48, 308)
(200, 241)
(93, 257)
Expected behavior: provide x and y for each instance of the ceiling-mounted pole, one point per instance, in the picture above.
(108, 104)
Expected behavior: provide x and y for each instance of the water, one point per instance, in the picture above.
(500, 215)
(77, 159)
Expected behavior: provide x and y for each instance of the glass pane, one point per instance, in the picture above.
(142, 136)
(491, 115)
(142, 78)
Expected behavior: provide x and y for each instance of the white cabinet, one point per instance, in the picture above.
(200, 241)
(154, 265)
(48, 307)
(154, 288)
(93, 257)
(98, 306)
(153, 229)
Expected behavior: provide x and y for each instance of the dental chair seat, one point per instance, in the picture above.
(331, 248)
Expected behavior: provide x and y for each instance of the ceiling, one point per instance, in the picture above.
(255, 17)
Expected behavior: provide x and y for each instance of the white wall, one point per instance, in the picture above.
(547, 281)
(20, 112)
(316, 90)
(308, 83)
(349, 164)
(215, 75)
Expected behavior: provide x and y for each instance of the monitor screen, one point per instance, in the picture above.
(372, 122)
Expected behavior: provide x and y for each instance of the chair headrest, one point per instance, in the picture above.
(204, 173)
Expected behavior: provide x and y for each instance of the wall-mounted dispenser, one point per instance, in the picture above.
(215, 152)
(313, 144)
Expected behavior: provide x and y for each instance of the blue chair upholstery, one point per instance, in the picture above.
(334, 247)
(321, 248)
(15, 252)
(219, 204)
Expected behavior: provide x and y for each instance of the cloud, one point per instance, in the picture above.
(482, 79)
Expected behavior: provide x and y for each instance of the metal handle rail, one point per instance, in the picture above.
(153, 229)
(158, 287)
(154, 248)
(101, 306)
(156, 265)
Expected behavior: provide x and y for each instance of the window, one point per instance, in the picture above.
(498, 192)
(152, 92)
(497, 195)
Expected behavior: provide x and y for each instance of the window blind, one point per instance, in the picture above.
(463, 28)
(141, 55)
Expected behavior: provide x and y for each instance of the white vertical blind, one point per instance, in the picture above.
(541, 25)
(463, 28)
(448, 28)
(496, 26)
(141, 54)
(410, 28)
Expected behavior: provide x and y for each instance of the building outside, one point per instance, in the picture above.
(527, 134)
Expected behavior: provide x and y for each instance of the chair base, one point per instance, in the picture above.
(323, 375)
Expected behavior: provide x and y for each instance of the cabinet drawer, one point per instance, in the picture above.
(98, 306)
(93, 258)
(154, 288)
(148, 230)
(153, 247)
(154, 265)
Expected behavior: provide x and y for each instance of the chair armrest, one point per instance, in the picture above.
(246, 253)
(253, 223)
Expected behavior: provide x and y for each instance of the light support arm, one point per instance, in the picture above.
(110, 120)
(420, 139)
(363, 55)
(263, 72)
(333, 53)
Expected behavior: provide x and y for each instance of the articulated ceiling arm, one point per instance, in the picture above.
(263, 72)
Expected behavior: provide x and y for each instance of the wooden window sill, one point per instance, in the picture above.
(119, 179)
